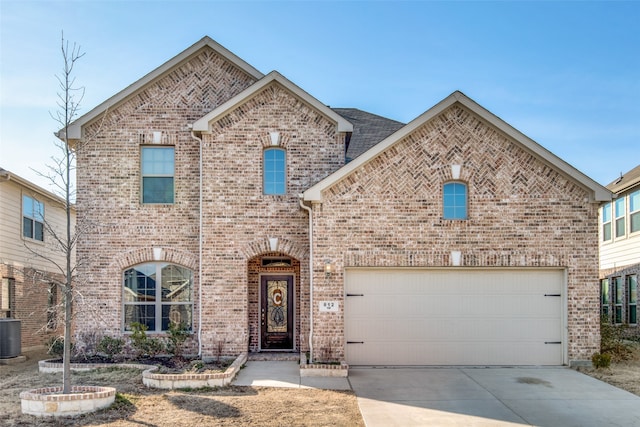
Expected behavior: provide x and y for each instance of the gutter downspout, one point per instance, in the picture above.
(193, 135)
(310, 212)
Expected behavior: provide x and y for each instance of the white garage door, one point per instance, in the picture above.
(454, 316)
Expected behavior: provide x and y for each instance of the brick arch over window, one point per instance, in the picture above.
(139, 256)
(262, 246)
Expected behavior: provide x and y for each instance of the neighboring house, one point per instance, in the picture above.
(29, 257)
(223, 198)
(620, 250)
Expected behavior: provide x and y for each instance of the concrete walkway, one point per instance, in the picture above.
(284, 374)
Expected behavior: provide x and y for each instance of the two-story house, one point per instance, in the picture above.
(30, 257)
(238, 204)
(619, 239)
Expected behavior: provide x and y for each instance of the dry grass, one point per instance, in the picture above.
(623, 374)
(138, 406)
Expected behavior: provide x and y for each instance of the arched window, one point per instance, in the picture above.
(274, 171)
(454, 200)
(156, 294)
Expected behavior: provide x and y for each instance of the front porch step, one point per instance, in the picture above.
(274, 356)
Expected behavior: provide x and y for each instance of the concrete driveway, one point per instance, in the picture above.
(490, 397)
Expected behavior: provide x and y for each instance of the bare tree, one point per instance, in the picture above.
(61, 176)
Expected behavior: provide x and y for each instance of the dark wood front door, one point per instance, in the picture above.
(276, 312)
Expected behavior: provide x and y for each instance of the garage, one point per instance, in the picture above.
(455, 316)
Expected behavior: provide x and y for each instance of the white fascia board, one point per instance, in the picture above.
(7, 176)
(75, 128)
(600, 193)
(202, 124)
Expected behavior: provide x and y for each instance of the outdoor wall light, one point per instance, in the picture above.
(328, 268)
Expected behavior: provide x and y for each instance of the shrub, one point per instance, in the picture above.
(110, 346)
(612, 340)
(601, 360)
(178, 334)
(55, 346)
(144, 345)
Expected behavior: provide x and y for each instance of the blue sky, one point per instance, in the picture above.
(566, 74)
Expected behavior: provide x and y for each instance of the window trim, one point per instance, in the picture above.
(605, 299)
(619, 217)
(617, 300)
(604, 222)
(466, 201)
(264, 171)
(158, 303)
(33, 219)
(143, 175)
(633, 214)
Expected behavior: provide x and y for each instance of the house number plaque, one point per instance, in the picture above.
(329, 306)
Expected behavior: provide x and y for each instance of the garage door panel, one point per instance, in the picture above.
(454, 317)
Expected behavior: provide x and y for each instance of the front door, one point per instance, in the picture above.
(276, 312)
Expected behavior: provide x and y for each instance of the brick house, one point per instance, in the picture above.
(619, 239)
(30, 258)
(237, 203)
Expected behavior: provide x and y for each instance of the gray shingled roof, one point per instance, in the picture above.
(626, 181)
(368, 130)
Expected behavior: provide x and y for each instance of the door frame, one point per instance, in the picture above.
(293, 307)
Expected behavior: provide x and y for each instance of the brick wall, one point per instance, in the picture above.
(522, 213)
(40, 315)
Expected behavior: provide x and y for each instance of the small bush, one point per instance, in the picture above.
(612, 340)
(55, 346)
(601, 360)
(110, 346)
(178, 334)
(144, 345)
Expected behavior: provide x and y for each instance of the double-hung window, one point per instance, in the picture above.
(606, 222)
(32, 218)
(620, 217)
(157, 294)
(634, 211)
(632, 299)
(274, 171)
(454, 200)
(617, 291)
(157, 174)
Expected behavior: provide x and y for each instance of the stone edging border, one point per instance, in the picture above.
(48, 401)
(156, 380)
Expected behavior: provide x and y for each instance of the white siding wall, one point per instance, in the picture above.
(22, 252)
(619, 251)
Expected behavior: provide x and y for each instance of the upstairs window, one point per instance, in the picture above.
(606, 222)
(634, 211)
(156, 294)
(32, 218)
(620, 217)
(454, 200)
(274, 171)
(157, 174)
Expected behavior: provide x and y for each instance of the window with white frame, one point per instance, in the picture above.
(620, 212)
(157, 294)
(634, 211)
(157, 166)
(274, 171)
(6, 297)
(632, 299)
(454, 200)
(32, 218)
(605, 298)
(606, 222)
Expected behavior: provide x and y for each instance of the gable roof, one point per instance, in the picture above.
(76, 126)
(6, 176)
(625, 182)
(368, 130)
(202, 124)
(598, 192)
